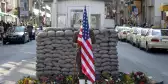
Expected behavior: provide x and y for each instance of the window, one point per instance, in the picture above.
(19, 29)
(76, 17)
(156, 32)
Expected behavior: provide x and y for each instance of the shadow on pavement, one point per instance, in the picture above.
(26, 68)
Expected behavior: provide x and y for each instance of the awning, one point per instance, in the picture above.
(164, 8)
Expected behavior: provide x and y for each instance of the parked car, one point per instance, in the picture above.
(119, 28)
(155, 39)
(137, 36)
(132, 35)
(129, 34)
(122, 35)
(19, 34)
(143, 35)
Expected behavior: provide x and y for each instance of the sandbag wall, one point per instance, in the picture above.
(56, 53)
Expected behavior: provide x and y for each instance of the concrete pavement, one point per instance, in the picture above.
(12, 56)
(23, 69)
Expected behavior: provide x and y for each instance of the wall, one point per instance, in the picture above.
(56, 52)
(93, 7)
(157, 11)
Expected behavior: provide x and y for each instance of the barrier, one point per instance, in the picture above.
(56, 53)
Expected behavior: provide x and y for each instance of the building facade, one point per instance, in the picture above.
(148, 11)
(70, 12)
(41, 13)
(7, 10)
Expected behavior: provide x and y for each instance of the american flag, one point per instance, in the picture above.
(84, 41)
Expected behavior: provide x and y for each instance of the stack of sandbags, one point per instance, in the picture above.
(105, 52)
(56, 53)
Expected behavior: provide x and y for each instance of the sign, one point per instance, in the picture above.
(24, 7)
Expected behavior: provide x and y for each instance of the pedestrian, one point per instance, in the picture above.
(30, 30)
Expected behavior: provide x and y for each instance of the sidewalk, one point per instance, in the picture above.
(25, 68)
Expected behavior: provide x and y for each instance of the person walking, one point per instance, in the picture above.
(30, 31)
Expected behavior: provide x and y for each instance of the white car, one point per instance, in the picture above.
(129, 34)
(133, 35)
(143, 35)
(155, 39)
(122, 35)
(137, 36)
(119, 28)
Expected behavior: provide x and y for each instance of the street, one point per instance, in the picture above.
(130, 59)
(12, 55)
(134, 59)
(17, 52)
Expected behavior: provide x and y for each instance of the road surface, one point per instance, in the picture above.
(133, 59)
(12, 54)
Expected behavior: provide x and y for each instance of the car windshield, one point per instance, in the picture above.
(19, 29)
(156, 33)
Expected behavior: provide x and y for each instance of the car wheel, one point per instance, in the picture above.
(24, 39)
(140, 46)
(147, 48)
(133, 43)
